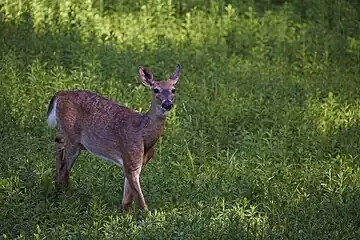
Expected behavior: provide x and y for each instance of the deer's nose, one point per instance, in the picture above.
(167, 105)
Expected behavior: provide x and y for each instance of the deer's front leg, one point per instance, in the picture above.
(133, 178)
(148, 155)
(127, 196)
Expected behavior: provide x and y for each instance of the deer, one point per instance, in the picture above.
(87, 121)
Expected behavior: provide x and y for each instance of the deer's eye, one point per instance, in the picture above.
(156, 90)
(173, 91)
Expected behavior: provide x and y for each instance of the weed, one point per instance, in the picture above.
(263, 142)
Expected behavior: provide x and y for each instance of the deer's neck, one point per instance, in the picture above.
(155, 126)
(156, 112)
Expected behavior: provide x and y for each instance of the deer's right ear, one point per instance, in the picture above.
(176, 75)
(146, 77)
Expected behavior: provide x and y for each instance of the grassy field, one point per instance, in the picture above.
(263, 143)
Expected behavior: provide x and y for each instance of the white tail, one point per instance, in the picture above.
(51, 119)
(88, 121)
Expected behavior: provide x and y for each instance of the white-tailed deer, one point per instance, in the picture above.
(88, 121)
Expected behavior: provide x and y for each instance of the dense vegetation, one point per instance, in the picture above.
(263, 143)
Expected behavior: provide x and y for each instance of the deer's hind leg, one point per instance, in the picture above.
(66, 154)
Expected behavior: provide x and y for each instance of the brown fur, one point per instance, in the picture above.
(88, 121)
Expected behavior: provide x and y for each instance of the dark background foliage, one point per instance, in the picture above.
(263, 141)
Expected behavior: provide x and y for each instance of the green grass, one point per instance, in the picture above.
(263, 142)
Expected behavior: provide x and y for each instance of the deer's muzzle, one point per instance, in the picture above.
(167, 105)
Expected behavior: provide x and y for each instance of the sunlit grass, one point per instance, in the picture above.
(262, 143)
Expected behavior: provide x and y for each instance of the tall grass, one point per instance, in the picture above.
(263, 141)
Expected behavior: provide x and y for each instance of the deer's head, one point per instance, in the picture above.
(163, 91)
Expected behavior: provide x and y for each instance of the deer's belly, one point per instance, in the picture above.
(109, 156)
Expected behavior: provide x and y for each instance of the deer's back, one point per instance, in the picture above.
(86, 114)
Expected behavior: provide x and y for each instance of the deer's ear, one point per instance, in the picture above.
(175, 75)
(146, 77)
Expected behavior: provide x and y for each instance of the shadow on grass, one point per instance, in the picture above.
(346, 141)
(324, 217)
(36, 199)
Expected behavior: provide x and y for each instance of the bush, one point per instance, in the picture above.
(262, 143)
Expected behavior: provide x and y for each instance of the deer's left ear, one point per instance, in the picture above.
(175, 75)
(146, 77)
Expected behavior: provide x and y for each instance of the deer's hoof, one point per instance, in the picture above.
(139, 218)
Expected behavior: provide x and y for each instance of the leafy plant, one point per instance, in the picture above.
(262, 143)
